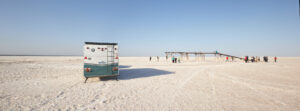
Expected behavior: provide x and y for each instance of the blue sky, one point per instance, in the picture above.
(150, 27)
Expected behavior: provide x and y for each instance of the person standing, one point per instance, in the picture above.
(227, 58)
(173, 59)
(275, 59)
(150, 58)
(157, 59)
(266, 58)
(253, 59)
(178, 59)
(246, 59)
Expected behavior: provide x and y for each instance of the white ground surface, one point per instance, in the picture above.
(56, 83)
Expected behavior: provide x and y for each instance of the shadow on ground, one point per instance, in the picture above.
(126, 74)
(124, 66)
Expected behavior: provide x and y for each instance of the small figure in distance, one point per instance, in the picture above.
(253, 59)
(173, 59)
(266, 58)
(178, 59)
(157, 59)
(150, 58)
(246, 59)
(227, 58)
(275, 59)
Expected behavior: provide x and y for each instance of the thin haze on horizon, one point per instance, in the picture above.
(149, 28)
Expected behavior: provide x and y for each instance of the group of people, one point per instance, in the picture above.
(257, 59)
(175, 59)
(246, 59)
(227, 58)
(156, 57)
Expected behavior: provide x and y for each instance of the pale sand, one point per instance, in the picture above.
(56, 83)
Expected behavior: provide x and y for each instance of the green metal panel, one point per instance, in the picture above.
(98, 70)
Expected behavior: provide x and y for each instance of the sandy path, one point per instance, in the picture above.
(56, 83)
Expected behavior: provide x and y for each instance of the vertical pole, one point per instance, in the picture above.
(200, 57)
(166, 56)
(181, 57)
(221, 57)
(187, 56)
(215, 57)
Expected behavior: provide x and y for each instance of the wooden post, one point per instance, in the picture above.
(167, 56)
(200, 57)
(181, 56)
(216, 58)
(187, 56)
